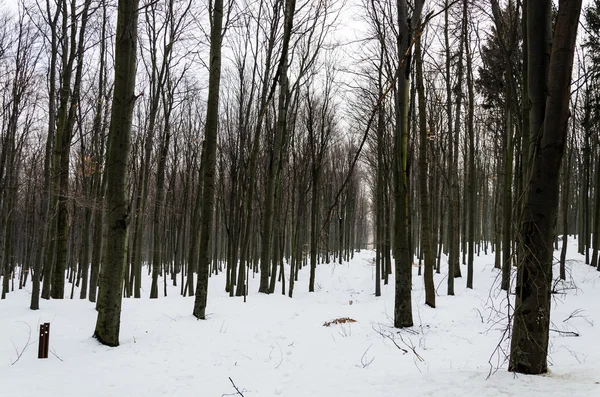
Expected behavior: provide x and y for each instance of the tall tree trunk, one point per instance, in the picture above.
(426, 243)
(472, 212)
(160, 197)
(565, 204)
(525, 102)
(539, 46)
(596, 225)
(195, 229)
(69, 101)
(85, 253)
(402, 259)
(452, 213)
(529, 342)
(455, 198)
(99, 179)
(379, 206)
(42, 256)
(111, 282)
(99, 219)
(507, 214)
(289, 11)
(314, 229)
(210, 152)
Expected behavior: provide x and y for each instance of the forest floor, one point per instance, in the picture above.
(276, 346)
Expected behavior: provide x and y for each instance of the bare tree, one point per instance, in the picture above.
(529, 342)
(111, 278)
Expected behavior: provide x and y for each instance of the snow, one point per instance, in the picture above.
(276, 346)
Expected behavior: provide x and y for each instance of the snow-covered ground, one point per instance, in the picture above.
(276, 346)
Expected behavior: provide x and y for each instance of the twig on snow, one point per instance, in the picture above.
(411, 347)
(502, 355)
(280, 354)
(27, 344)
(576, 313)
(364, 361)
(566, 333)
(235, 387)
(380, 332)
(56, 355)
(480, 315)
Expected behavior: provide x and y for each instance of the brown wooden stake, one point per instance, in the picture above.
(44, 340)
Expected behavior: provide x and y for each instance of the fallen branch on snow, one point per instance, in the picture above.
(364, 360)
(566, 333)
(238, 392)
(27, 344)
(385, 335)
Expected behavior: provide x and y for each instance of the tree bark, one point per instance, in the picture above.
(42, 254)
(452, 216)
(507, 214)
(111, 283)
(210, 151)
(565, 204)
(426, 243)
(529, 343)
(402, 259)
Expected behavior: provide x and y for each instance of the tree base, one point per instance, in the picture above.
(106, 342)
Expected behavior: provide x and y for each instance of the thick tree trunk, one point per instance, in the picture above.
(402, 258)
(539, 46)
(111, 283)
(529, 343)
(525, 102)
